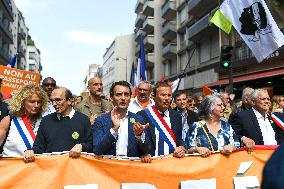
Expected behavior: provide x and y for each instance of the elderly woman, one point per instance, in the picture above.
(211, 133)
(26, 107)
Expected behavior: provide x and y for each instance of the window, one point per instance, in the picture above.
(31, 55)
(32, 67)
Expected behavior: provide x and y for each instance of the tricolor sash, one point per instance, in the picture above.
(25, 130)
(278, 121)
(163, 128)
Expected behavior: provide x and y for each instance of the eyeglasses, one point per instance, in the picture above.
(49, 84)
(57, 100)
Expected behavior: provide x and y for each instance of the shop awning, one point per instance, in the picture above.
(248, 77)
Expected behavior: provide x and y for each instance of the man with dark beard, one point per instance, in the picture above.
(94, 105)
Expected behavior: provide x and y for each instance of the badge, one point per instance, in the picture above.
(75, 135)
(132, 120)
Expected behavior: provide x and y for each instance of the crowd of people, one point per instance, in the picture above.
(48, 118)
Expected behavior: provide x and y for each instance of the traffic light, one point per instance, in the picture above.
(226, 56)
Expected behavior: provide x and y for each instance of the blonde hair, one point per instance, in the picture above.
(16, 103)
(275, 102)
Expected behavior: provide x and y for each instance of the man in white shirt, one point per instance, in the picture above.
(120, 132)
(255, 126)
(142, 100)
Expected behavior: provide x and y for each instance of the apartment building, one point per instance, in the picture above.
(33, 57)
(93, 71)
(118, 60)
(6, 37)
(184, 43)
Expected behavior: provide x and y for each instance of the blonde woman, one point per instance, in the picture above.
(26, 108)
(277, 112)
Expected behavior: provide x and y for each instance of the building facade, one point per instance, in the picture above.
(118, 60)
(6, 37)
(33, 57)
(183, 43)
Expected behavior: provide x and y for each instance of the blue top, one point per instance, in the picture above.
(196, 137)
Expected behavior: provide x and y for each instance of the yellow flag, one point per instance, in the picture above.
(221, 21)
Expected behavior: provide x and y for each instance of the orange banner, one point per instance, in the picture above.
(57, 171)
(14, 78)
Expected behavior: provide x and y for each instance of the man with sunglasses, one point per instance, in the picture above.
(48, 85)
(63, 130)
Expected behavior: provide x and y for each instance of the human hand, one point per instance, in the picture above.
(146, 158)
(75, 152)
(203, 151)
(29, 156)
(179, 152)
(92, 118)
(249, 143)
(115, 118)
(228, 149)
(138, 128)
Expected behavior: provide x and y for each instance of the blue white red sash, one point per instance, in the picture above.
(278, 121)
(163, 128)
(25, 130)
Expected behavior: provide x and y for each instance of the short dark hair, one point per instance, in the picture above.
(48, 78)
(179, 93)
(160, 84)
(121, 83)
(68, 94)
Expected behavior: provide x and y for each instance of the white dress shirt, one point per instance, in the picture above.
(267, 131)
(135, 107)
(157, 133)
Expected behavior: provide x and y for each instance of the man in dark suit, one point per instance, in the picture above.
(255, 126)
(273, 172)
(188, 116)
(165, 123)
(120, 132)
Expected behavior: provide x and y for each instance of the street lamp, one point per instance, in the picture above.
(117, 58)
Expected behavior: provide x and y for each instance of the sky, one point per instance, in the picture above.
(72, 34)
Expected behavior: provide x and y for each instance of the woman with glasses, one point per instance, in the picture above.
(211, 134)
(26, 107)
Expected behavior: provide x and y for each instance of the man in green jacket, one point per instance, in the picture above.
(94, 104)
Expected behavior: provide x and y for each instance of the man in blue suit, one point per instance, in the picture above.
(121, 133)
(273, 172)
(165, 124)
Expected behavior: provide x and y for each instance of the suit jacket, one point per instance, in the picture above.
(104, 143)
(273, 172)
(176, 127)
(246, 124)
(191, 116)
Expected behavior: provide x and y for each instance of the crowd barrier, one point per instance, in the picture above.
(57, 171)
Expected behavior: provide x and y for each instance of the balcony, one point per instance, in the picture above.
(5, 30)
(198, 8)
(139, 32)
(149, 42)
(8, 7)
(201, 28)
(4, 57)
(181, 4)
(150, 59)
(169, 31)
(148, 25)
(22, 34)
(139, 6)
(148, 8)
(139, 20)
(170, 51)
(169, 10)
(22, 51)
